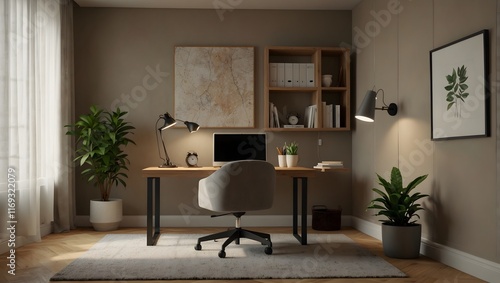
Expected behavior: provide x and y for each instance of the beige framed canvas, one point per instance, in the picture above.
(214, 86)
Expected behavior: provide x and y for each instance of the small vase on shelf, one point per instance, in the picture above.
(326, 80)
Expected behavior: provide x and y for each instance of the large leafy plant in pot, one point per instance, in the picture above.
(101, 137)
(401, 235)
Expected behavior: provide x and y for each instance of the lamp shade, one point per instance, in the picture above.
(169, 121)
(192, 126)
(366, 111)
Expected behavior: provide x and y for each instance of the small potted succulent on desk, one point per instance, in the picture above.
(292, 157)
(401, 236)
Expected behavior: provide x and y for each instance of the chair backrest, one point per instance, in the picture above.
(239, 186)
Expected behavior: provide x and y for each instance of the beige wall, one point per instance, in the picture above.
(115, 49)
(462, 209)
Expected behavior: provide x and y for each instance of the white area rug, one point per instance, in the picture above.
(126, 257)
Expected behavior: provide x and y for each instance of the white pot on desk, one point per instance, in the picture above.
(282, 160)
(292, 160)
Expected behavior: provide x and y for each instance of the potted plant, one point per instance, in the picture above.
(291, 152)
(401, 235)
(101, 137)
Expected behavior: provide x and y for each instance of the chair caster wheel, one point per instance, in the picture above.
(197, 247)
(222, 254)
(268, 251)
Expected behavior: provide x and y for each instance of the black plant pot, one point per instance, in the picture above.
(401, 241)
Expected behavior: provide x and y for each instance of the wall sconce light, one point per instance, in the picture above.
(169, 121)
(366, 111)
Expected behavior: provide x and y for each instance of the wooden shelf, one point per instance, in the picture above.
(294, 99)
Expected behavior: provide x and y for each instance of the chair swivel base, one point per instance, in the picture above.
(235, 235)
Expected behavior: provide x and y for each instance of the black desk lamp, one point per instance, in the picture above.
(169, 121)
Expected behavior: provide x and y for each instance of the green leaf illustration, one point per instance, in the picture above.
(456, 94)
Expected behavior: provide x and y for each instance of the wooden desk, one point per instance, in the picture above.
(153, 175)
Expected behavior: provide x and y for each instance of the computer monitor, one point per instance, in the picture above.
(238, 146)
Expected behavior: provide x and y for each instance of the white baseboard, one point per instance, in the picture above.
(206, 221)
(473, 265)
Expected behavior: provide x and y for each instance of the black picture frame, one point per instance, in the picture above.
(460, 93)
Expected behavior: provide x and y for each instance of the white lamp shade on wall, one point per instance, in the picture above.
(366, 111)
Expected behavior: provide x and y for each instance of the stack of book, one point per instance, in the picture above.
(331, 115)
(329, 165)
(311, 116)
(274, 117)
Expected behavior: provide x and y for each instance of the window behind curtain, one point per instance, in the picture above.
(30, 121)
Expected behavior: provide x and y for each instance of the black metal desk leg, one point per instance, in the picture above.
(153, 235)
(303, 237)
(157, 209)
(149, 212)
(295, 218)
(304, 211)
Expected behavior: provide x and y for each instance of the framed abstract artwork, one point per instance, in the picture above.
(460, 98)
(214, 86)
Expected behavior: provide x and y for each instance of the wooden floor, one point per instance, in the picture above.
(38, 262)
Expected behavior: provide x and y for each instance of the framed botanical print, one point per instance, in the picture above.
(460, 98)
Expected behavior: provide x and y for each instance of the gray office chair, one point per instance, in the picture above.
(235, 188)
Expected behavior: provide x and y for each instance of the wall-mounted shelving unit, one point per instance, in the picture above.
(283, 97)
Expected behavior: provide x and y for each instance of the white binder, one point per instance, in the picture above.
(288, 74)
(296, 75)
(303, 74)
(281, 74)
(311, 80)
(273, 74)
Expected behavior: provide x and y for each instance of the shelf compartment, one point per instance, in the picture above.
(334, 98)
(287, 103)
(333, 62)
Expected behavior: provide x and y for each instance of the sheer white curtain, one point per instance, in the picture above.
(36, 86)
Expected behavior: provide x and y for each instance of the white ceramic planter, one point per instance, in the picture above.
(106, 215)
(282, 160)
(292, 160)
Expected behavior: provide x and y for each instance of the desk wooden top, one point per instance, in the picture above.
(205, 171)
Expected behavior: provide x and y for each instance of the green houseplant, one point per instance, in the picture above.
(291, 151)
(400, 232)
(292, 148)
(101, 137)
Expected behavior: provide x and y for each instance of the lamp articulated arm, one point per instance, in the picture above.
(169, 121)
(166, 161)
(392, 108)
